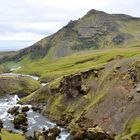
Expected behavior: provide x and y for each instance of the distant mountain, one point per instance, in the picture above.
(95, 30)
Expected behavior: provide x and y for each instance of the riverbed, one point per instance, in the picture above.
(36, 120)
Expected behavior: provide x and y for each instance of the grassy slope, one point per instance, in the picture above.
(131, 130)
(5, 135)
(17, 85)
(54, 68)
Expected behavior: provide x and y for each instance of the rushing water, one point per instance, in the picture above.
(15, 74)
(36, 120)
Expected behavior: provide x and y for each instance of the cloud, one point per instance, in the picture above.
(28, 21)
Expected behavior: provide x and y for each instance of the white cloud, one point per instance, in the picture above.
(30, 20)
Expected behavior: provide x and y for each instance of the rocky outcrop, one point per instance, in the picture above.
(72, 86)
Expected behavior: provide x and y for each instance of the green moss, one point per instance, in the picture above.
(50, 69)
(5, 135)
(40, 95)
(55, 83)
(132, 128)
(17, 85)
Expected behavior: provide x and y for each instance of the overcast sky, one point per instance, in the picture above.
(23, 22)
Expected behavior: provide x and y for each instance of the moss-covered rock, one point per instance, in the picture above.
(20, 122)
(14, 110)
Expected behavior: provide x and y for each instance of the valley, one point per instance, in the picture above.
(84, 78)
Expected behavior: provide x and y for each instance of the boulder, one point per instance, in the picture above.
(51, 136)
(24, 127)
(25, 109)
(36, 109)
(95, 133)
(20, 119)
(39, 136)
(55, 131)
(14, 110)
(61, 123)
(79, 135)
(20, 122)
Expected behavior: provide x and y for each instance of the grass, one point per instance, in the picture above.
(17, 84)
(49, 69)
(132, 129)
(5, 135)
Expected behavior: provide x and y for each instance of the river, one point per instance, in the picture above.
(36, 120)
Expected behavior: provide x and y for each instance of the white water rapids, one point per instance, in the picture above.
(36, 120)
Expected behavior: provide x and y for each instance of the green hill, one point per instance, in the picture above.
(95, 30)
(92, 71)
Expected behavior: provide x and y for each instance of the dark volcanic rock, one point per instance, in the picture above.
(20, 121)
(25, 109)
(14, 110)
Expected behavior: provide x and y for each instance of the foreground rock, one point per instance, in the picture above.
(49, 134)
(14, 110)
(95, 133)
(20, 122)
(25, 109)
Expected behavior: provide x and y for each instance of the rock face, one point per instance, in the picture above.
(71, 86)
(112, 94)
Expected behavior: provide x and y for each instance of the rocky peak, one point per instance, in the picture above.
(93, 12)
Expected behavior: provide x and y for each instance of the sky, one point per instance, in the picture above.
(24, 22)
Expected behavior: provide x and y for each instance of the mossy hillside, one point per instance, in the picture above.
(5, 135)
(39, 96)
(50, 69)
(60, 105)
(4, 69)
(107, 86)
(131, 130)
(21, 85)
